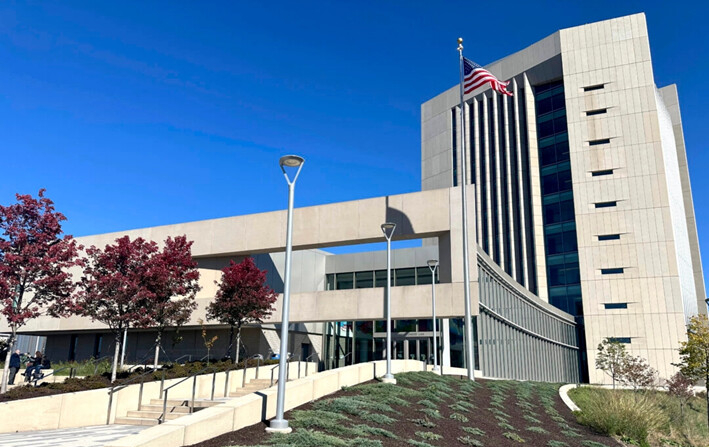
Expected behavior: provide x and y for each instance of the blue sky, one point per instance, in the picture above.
(135, 114)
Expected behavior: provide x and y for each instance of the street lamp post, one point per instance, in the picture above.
(388, 230)
(433, 265)
(279, 424)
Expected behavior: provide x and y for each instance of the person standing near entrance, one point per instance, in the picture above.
(14, 366)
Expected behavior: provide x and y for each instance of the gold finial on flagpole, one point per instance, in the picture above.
(460, 43)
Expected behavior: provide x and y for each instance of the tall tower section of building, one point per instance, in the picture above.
(582, 190)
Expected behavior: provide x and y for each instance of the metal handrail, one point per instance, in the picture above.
(273, 370)
(53, 373)
(116, 388)
(344, 359)
(140, 362)
(291, 359)
(194, 390)
(258, 358)
(188, 356)
(307, 362)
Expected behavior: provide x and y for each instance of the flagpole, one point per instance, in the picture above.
(470, 359)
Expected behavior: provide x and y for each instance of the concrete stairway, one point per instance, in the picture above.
(251, 386)
(150, 414)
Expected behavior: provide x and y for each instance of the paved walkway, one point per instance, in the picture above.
(95, 436)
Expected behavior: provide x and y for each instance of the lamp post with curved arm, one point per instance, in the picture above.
(433, 265)
(388, 230)
(279, 424)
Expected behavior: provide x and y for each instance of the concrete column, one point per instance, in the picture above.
(478, 170)
(520, 188)
(499, 180)
(508, 178)
(488, 193)
(536, 192)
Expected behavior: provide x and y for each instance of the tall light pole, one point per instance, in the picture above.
(279, 424)
(433, 265)
(388, 230)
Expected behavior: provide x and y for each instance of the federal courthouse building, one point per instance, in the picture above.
(579, 207)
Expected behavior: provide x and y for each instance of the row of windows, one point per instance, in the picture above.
(378, 278)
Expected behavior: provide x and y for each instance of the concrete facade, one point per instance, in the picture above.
(628, 183)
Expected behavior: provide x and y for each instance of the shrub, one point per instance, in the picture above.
(432, 413)
(571, 433)
(427, 403)
(428, 436)
(553, 443)
(306, 438)
(513, 436)
(467, 440)
(423, 422)
(531, 419)
(378, 418)
(317, 419)
(473, 431)
(365, 442)
(416, 443)
(459, 417)
(539, 430)
(505, 426)
(588, 443)
(376, 431)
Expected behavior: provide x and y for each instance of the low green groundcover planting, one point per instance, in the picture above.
(644, 418)
(428, 410)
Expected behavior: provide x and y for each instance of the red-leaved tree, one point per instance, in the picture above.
(34, 264)
(112, 289)
(242, 297)
(171, 283)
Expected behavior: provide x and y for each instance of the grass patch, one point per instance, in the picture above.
(431, 412)
(305, 438)
(418, 443)
(554, 443)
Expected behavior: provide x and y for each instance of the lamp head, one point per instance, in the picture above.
(291, 161)
(432, 263)
(388, 229)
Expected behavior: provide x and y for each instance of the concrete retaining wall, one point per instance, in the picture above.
(248, 410)
(87, 408)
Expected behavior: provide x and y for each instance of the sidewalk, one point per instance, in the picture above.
(95, 436)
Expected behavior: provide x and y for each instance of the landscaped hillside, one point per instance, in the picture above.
(425, 410)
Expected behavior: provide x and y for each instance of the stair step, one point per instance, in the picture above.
(170, 409)
(153, 415)
(135, 421)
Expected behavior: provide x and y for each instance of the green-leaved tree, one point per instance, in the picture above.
(694, 353)
(612, 358)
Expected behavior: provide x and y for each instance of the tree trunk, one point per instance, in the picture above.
(157, 349)
(238, 340)
(6, 370)
(116, 351)
(231, 344)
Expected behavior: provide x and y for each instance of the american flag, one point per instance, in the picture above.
(476, 76)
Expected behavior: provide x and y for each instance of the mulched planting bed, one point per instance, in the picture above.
(425, 410)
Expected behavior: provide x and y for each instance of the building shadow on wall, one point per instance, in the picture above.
(404, 230)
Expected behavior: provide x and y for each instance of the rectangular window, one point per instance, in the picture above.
(405, 277)
(330, 281)
(596, 112)
(602, 172)
(615, 305)
(608, 237)
(423, 275)
(364, 280)
(612, 271)
(591, 88)
(380, 278)
(601, 141)
(624, 340)
(344, 281)
(606, 204)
